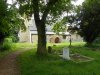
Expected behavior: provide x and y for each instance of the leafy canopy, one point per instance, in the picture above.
(88, 20)
(10, 20)
(56, 8)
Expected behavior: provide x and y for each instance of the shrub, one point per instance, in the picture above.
(97, 40)
(14, 38)
(7, 43)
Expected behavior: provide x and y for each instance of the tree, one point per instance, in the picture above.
(16, 23)
(60, 26)
(3, 11)
(10, 20)
(42, 11)
(88, 20)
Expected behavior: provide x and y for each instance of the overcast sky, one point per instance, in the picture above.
(78, 2)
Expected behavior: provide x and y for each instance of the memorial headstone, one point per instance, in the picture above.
(49, 49)
(66, 53)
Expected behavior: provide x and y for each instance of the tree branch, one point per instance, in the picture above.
(48, 8)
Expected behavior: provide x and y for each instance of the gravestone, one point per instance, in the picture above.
(49, 49)
(66, 53)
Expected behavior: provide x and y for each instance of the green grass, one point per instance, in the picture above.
(16, 46)
(30, 64)
(4, 53)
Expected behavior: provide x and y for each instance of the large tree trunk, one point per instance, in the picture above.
(40, 24)
(41, 48)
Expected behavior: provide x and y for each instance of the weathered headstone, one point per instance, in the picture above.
(66, 53)
(49, 49)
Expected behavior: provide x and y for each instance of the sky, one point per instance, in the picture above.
(9, 1)
(78, 2)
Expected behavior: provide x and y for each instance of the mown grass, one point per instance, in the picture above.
(17, 46)
(30, 64)
(14, 47)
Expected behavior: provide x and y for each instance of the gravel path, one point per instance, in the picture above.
(8, 65)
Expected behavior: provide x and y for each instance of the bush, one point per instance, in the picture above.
(97, 40)
(7, 43)
(14, 38)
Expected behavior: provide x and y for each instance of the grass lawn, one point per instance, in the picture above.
(30, 64)
(4, 53)
(16, 46)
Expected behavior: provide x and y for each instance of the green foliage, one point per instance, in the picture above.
(60, 26)
(7, 44)
(16, 23)
(14, 38)
(61, 7)
(4, 53)
(90, 25)
(43, 13)
(3, 19)
(15, 47)
(10, 21)
(88, 20)
(26, 7)
(55, 9)
(30, 64)
(97, 40)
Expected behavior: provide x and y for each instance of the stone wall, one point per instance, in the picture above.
(25, 37)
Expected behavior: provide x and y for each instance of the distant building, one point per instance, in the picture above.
(30, 35)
